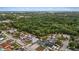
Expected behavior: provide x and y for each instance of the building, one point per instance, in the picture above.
(12, 30)
(6, 46)
(28, 37)
(1, 37)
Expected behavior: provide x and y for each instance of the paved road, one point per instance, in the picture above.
(65, 44)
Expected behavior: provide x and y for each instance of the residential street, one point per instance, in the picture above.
(65, 44)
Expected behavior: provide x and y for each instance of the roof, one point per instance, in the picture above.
(6, 46)
(1, 37)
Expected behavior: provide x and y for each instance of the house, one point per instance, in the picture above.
(23, 36)
(66, 36)
(45, 43)
(1, 37)
(33, 38)
(28, 37)
(12, 30)
(6, 46)
(52, 38)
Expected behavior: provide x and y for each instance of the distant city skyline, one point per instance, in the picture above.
(39, 8)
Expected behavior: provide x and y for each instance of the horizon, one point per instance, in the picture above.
(39, 9)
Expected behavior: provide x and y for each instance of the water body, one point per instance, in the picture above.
(39, 9)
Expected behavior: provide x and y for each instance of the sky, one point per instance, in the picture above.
(39, 8)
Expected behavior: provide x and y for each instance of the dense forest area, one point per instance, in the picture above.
(46, 23)
(42, 24)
